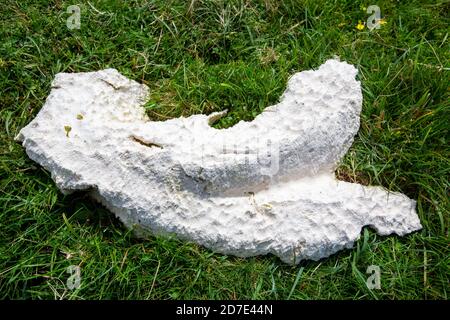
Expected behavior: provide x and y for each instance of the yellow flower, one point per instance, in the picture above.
(382, 21)
(360, 25)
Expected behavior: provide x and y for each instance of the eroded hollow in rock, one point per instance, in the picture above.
(264, 186)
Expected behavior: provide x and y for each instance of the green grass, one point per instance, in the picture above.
(203, 56)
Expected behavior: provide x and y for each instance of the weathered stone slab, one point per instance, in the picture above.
(265, 186)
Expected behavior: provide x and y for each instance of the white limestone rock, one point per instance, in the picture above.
(265, 186)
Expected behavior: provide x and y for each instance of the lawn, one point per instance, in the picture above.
(201, 56)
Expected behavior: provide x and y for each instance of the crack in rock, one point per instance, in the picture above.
(259, 187)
